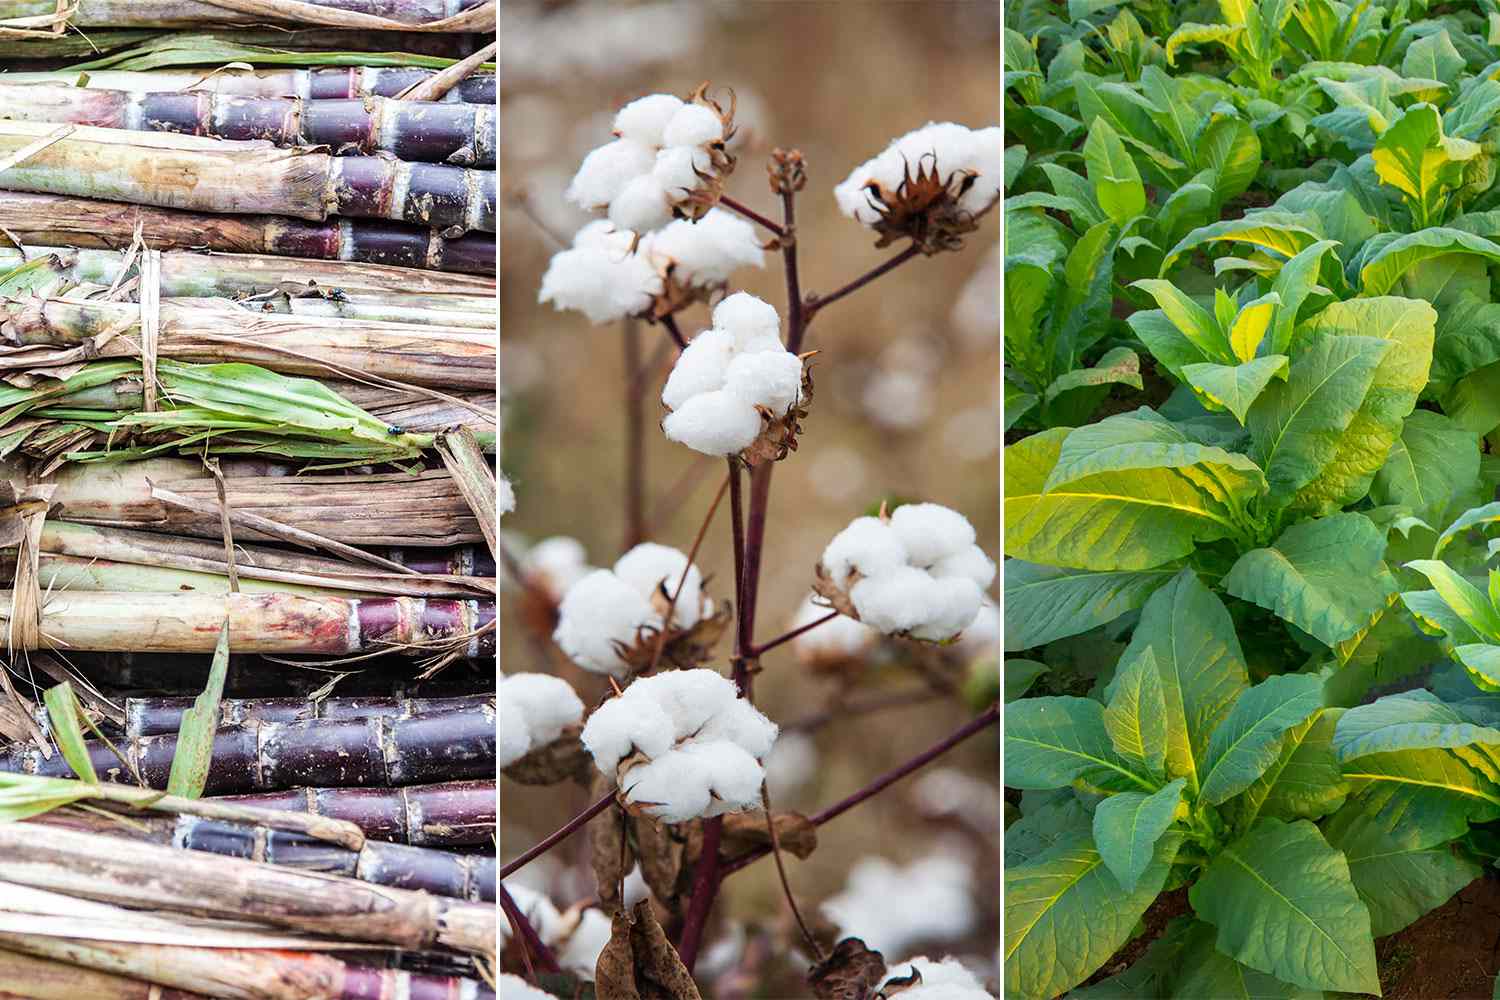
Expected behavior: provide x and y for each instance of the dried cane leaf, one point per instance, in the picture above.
(195, 735)
(850, 972)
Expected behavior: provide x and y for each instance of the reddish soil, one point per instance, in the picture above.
(1453, 953)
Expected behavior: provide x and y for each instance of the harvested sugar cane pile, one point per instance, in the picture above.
(247, 500)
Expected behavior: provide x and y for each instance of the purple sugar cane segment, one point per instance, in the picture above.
(416, 131)
(336, 83)
(154, 716)
(469, 877)
(200, 174)
(113, 970)
(275, 623)
(445, 814)
(274, 756)
(45, 219)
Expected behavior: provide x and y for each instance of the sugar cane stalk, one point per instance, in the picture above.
(153, 716)
(86, 222)
(442, 873)
(394, 509)
(329, 83)
(296, 345)
(444, 814)
(414, 131)
(276, 623)
(246, 178)
(98, 970)
(270, 756)
(365, 15)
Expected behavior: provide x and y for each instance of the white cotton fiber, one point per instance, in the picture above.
(941, 980)
(714, 423)
(615, 606)
(548, 703)
(703, 745)
(642, 206)
(677, 169)
(868, 546)
(930, 531)
(705, 252)
(650, 569)
(693, 125)
(515, 739)
(970, 562)
(936, 902)
(580, 955)
(920, 573)
(981, 637)
(945, 148)
(516, 988)
(747, 318)
(606, 171)
(556, 564)
(700, 368)
(772, 379)
(645, 120)
(599, 276)
(597, 612)
(620, 727)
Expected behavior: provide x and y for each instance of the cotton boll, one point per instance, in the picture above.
(931, 531)
(538, 911)
(515, 735)
(597, 612)
(742, 724)
(556, 564)
(606, 171)
(548, 703)
(677, 169)
(988, 159)
(936, 903)
(868, 546)
(747, 317)
(642, 206)
(599, 276)
(652, 569)
(693, 125)
(690, 697)
(734, 776)
(981, 637)
(674, 787)
(837, 638)
(899, 600)
(941, 980)
(771, 379)
(623, 725)
(645, 119)
(970, 562)
(516, 988)
(708, 251)
(714, 423)
(700, 368)
(505, 496)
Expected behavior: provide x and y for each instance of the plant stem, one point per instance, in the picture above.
(669, 322)
(751, 214)
(531, 942)
(978, 724)
(849, 709)
(794, 318)
(705, 886)
(786, 885)
(557, 836)
(815, 303)
(635, 439)
(666, 625)
(737, 533)
(789, 636)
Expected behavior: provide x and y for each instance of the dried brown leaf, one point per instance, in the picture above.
(850, 972)
(795, 833)
(564, 759)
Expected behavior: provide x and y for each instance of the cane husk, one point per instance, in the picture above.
(326, 83)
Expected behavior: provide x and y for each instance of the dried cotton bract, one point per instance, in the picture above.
(930, 186)
(609, 619)
(534, 710)
(916, 572)
(682, 744)
(668, 160)
(602, 277)
(736, 385)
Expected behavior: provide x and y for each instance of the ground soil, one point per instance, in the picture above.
(1453, 953)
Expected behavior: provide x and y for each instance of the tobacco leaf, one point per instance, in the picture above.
(850, 972)
(795, 833)
(639, 963)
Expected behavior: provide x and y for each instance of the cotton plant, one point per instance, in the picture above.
(736, 389)
(669, 159)
(930, 186)
(915, 572)
(534, 710)
(682, 745)
(609, 620)
(610, 274)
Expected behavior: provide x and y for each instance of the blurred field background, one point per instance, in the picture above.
(906, 403)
